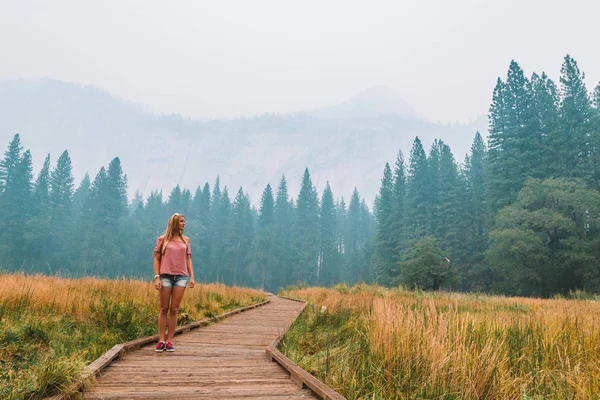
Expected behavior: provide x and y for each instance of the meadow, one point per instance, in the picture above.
(369, 342)
(51, 328)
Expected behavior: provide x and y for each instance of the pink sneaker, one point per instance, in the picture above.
(160, 347)
(170, 346)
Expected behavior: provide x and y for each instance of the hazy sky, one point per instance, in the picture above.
(228, 58)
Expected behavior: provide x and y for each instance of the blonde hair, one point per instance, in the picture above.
(173, 231)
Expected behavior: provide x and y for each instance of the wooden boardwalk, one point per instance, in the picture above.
(225, 360)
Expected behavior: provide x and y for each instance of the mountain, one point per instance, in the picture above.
(377, 101)
(347, 144)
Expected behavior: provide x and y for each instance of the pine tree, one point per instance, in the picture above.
(283, 241)
(383, 262)
(204, 204)
(265, 245)
(352, 240)
(16, 208)
(9, 163)
(306, 233)
(196, 205)
(41, 191)
(11, 185)
(328, 255)
(365, 243)
(121, 242)
(20, 189)
(61, 201)
(575, 118)
(136, 202)
(239, 241)
(175, 202)
(476, 175)
(155, 215)
(501, 162)
(450, 225)
(218, 223)
(475, 224)
(93, 222)
(216, 193)
(80, 197)
(61, 190)
(39, 234)
(521, 138)
(222, 226)
(545, 108)
(433, 183)
(341, 228)
(186, 201)
(200, 230)
(515, 150)
(104, 238)
(398, 209)
(117, 183)
(417, 196)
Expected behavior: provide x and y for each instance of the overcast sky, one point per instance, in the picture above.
(230, 58)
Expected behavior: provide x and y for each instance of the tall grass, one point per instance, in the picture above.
(50, 328)
(371, 342)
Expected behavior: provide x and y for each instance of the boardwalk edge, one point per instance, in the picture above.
(299, 375)
(92, 370)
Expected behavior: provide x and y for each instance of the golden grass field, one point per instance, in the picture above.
(370, 342)
(367, 342)
(77, 296)
(50, 328)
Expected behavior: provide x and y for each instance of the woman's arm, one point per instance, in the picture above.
(190, 269)
(157, 283)
(157, 257)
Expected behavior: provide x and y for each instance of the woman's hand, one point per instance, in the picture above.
(192, 283)
(157, 283)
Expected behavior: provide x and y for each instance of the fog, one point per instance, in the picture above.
(236, 58)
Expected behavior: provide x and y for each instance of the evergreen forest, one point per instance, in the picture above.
(517, 216)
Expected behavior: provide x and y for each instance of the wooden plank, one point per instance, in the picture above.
(183, 380)
(104, 360)
(281, 386)
(273, 370)
(193, 395)
(302, 377)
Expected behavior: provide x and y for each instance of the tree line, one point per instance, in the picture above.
(517, 216)
(49, 226)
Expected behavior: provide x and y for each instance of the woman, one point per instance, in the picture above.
(172, 270)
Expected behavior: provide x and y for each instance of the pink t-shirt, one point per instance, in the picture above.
(174, 260)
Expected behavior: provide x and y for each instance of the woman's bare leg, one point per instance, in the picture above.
(175, 302)
(165, 298)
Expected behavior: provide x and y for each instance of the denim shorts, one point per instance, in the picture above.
(168, 280)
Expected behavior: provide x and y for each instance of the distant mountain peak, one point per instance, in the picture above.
(373, 102)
